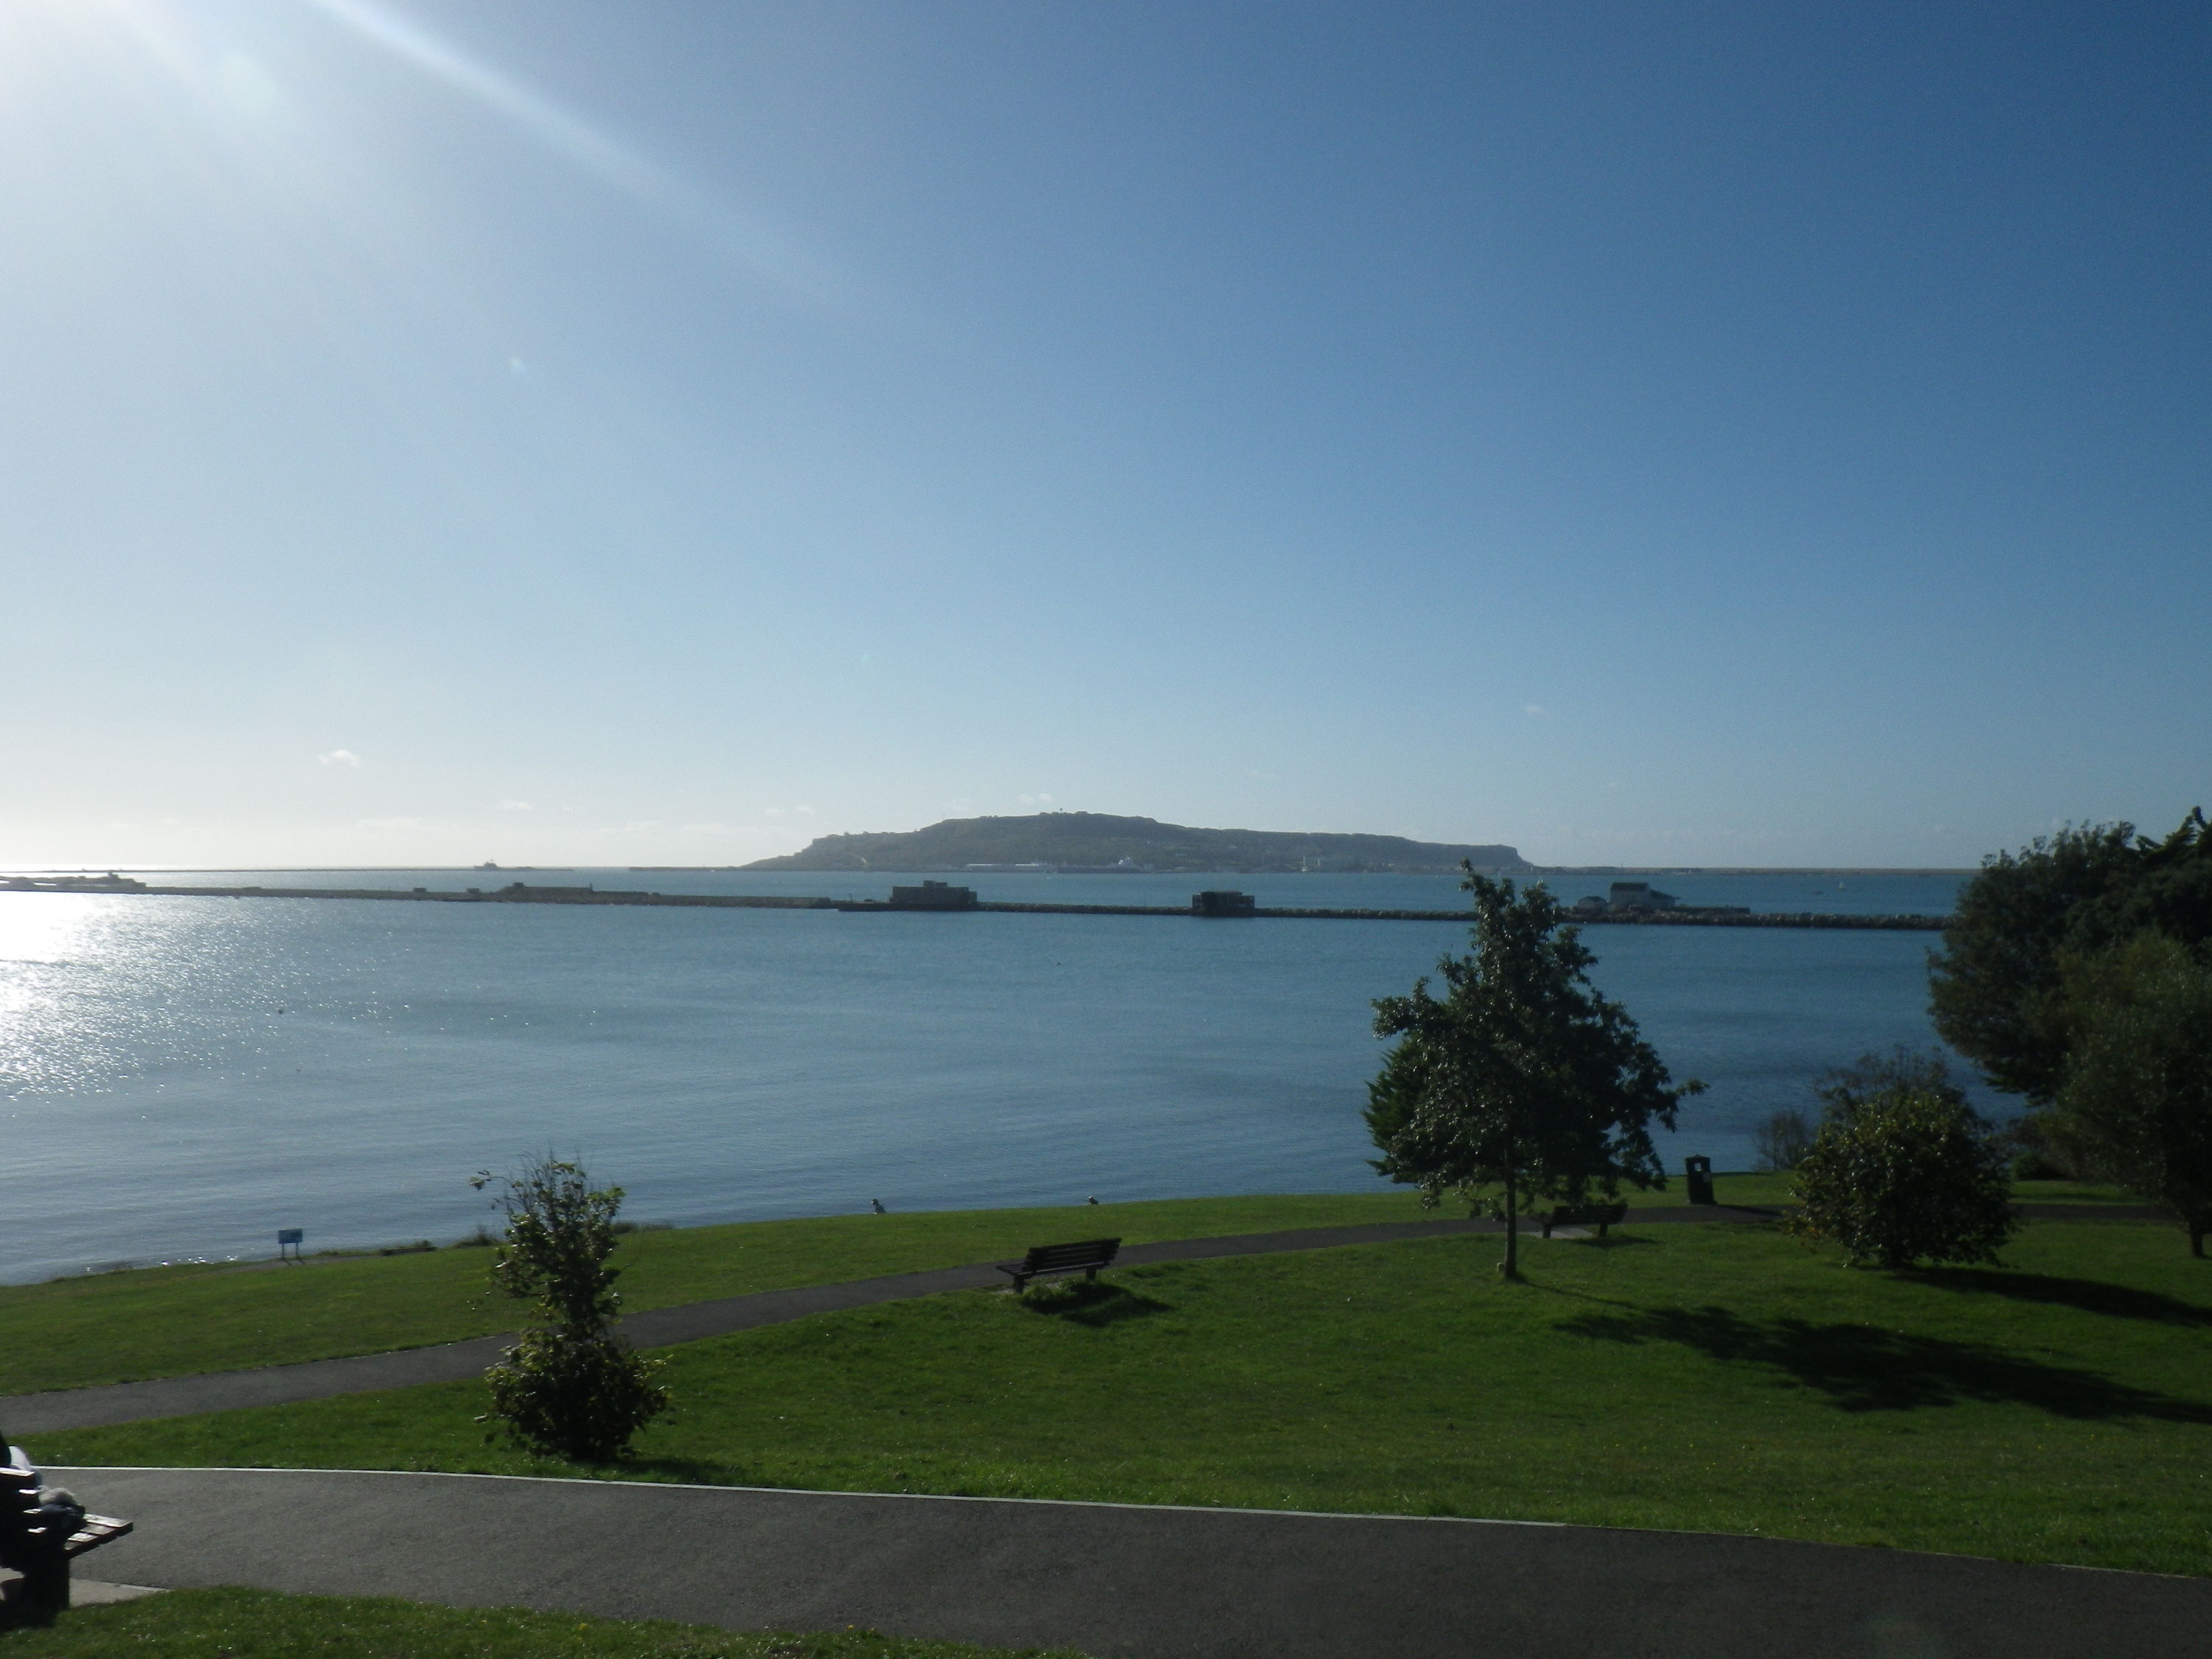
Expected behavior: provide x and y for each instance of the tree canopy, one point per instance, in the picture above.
(1521, 1078)
(2138, 1091)
(1997, 990)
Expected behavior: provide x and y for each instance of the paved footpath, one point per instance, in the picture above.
(1117, 1582)
(453, 1362)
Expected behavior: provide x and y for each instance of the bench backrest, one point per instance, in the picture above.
(1568, 1215)
(1048, 1257)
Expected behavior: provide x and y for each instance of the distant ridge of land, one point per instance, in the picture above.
(1099, 840)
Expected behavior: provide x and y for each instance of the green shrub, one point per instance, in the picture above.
(1906, 1175)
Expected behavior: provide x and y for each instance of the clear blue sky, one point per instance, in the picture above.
(662, 432)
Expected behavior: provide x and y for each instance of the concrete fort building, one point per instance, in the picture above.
(933, 895)
(1629, 896)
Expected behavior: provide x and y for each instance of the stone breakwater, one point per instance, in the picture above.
(518, 894)
(1682, 918)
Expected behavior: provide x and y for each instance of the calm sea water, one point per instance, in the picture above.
(181, 1077)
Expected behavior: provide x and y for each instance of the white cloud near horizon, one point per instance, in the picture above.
(340, 757)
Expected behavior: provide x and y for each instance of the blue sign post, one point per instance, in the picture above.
(290, 1239)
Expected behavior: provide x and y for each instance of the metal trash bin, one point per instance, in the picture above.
(1699, 1174)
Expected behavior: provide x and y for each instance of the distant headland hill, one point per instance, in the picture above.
(1097, 840)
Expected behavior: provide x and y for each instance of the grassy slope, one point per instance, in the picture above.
(171, 1322)
(240, 1624)
(1716, 1377)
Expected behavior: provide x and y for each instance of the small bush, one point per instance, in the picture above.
(1906, 1175)
(415, 1248)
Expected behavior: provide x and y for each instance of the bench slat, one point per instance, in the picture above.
(94, 1531)
(1046, 1256)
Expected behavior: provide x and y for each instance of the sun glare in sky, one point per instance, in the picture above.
(1729, 436)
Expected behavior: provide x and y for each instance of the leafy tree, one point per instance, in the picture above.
(2137, 1092)
(1781, 1138)
(1521, 1078)
(2046, 1146)
(571, 1386)
(1903, 1175)
(1997, 989)
(1843, 1090)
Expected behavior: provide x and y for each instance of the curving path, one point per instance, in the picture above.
(1117, 1582)
(453, 1362)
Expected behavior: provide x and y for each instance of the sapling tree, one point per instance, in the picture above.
(571, 1385)
(1521, 1082)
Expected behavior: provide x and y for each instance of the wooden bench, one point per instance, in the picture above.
(28, 1544)
(1046, 1259)
(44, 1588)
(1600, 1216)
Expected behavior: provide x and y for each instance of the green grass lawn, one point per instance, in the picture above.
(242, 1624)
(172, 1321)
(1715, 1378)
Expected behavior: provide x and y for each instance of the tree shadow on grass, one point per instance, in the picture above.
(2089, 1295)
(1091, 1302)
(1861, 1369)
(1617, 1241)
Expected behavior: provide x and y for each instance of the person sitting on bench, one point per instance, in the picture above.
(36, 1523)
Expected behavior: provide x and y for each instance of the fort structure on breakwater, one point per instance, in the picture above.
(940, 897)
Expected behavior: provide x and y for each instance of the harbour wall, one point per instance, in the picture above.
(1677, 918)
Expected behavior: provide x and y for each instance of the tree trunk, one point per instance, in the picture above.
(1511, 1267)
(2194, 1219)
